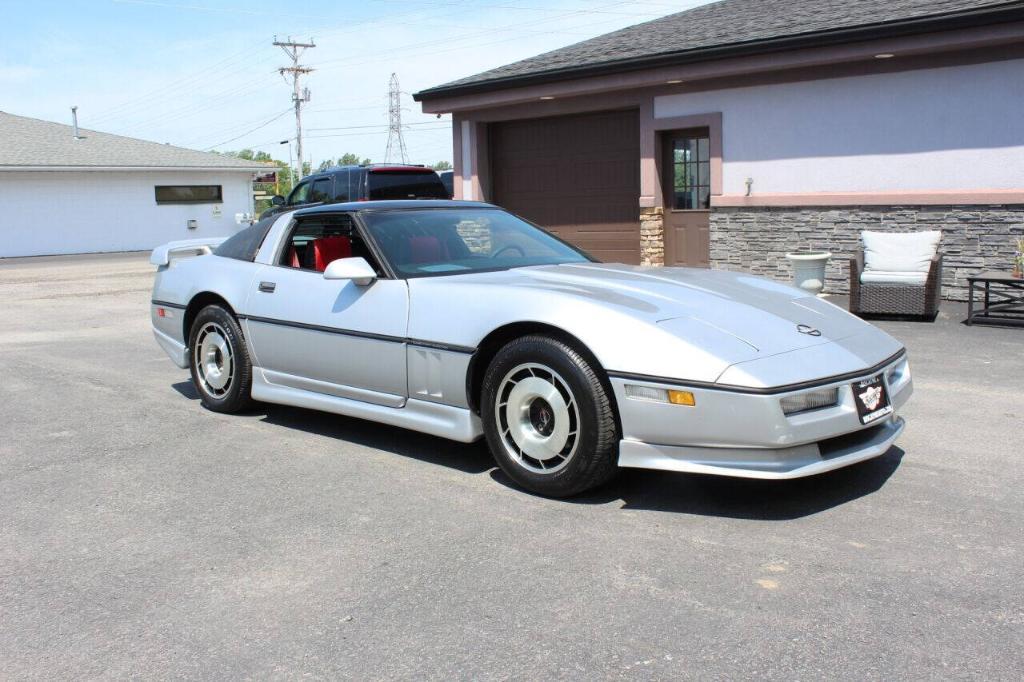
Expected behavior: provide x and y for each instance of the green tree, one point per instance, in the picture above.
(285, 181)
(346, 159)
(442, 166)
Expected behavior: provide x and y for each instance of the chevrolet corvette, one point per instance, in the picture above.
(461, 320)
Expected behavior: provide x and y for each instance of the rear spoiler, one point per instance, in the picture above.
(185, 247)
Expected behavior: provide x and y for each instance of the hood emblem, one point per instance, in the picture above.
(807, 329)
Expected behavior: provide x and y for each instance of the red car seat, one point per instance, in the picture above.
(327, 249)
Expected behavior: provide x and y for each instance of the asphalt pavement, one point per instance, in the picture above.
(144, 536)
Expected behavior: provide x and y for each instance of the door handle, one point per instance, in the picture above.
(267, 287)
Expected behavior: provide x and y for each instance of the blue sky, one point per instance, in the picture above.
(201, 73)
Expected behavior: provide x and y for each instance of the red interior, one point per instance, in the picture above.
(293, 257)
(327, 249)
(428, 249)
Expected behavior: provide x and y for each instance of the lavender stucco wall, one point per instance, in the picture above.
(974, 238)
(952, 128)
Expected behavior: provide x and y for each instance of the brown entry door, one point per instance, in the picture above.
(687, 192)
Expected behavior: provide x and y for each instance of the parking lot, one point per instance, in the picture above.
(143, 536)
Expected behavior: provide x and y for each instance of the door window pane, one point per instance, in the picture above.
(691, 172)
(299, 194)
(321, 191)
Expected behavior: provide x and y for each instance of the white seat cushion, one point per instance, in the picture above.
(887, 277)
(896, 252)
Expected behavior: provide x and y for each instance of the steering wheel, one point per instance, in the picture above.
(522, 254)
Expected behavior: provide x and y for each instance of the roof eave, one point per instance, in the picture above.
(958, 20)
(205, 169)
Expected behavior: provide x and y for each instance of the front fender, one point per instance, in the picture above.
(621, 339)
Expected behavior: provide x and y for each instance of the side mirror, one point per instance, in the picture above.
(277, 200)
(355, 269)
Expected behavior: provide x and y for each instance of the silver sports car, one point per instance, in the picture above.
(461, 320)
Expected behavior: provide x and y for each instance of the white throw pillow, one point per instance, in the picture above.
(900, 251)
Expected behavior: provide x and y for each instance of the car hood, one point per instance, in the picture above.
(765, 316)
(682, 323)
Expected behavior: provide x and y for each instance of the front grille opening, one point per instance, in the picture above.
(840, 445)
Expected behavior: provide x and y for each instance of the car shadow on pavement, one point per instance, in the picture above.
(697, 494)
(744, 498)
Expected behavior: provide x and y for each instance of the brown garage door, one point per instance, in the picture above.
(578, 176)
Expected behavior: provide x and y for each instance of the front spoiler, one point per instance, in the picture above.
(765, 463)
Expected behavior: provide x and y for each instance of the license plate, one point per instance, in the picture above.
(872, 399)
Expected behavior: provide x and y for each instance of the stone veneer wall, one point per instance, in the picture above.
(652, 236)
(974, 238)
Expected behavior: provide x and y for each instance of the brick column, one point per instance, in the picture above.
(652, 236)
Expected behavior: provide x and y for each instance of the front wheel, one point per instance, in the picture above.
(548, 419)
(219, 360)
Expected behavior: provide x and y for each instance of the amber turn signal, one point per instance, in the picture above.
(681, 398)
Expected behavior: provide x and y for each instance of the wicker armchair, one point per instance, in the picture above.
(891, 298)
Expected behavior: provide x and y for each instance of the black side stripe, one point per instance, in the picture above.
(361, 335)
(729, 388)
(165, 304)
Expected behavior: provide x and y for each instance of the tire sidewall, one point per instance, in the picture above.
(572, 367)
(238, 395)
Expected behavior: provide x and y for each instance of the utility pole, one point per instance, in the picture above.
(294, 50)
(396, 143)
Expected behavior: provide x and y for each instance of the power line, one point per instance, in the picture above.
(262, 125)
(368, 132)
(374, 125)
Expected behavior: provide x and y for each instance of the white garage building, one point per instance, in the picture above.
(99, 192)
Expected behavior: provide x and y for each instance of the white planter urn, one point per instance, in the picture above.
(809, 269)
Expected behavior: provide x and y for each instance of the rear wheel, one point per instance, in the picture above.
(219, 361)
(548, 419)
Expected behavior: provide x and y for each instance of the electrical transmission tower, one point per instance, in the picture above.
(396, 143)
(294, 50)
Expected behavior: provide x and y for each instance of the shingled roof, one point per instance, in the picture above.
(733, 27)
(29, 143)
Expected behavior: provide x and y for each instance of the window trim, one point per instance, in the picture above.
(172, 202)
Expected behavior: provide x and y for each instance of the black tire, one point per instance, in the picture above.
(510, 411)
(215, 342)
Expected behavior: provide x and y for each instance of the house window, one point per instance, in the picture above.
(691, 172)
(189, 194)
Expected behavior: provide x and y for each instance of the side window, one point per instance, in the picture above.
(299, 194)
(321, 191)
(315, 241)
(341, 186)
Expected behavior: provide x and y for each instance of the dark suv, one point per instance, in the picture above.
(361, 183)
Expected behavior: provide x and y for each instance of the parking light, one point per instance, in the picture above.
(814, 400)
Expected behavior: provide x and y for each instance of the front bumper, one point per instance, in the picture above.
(748, 435)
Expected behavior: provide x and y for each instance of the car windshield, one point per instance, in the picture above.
(433, 242)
